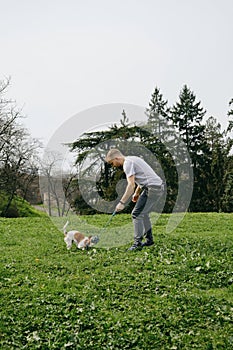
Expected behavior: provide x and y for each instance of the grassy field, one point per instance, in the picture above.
(177, 294)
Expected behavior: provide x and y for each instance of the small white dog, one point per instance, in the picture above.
(80, 240)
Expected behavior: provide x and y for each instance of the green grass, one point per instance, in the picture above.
(177, 294)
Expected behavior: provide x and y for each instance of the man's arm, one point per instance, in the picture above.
(128, 193)
(136, 194)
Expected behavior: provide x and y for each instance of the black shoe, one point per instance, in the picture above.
(136, 246)
(147, 243)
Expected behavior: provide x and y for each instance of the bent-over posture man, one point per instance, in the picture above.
(145, 187)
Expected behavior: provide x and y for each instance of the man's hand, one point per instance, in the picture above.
(136, 194)
(128, 193)
(135, 197)
(119, 206)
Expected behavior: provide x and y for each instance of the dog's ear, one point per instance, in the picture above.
(89, 237)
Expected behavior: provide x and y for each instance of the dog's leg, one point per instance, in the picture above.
(76, 243)
(68, 242)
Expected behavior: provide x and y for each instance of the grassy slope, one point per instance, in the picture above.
(174, 295)
(19, 207)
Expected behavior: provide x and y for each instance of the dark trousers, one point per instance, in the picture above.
(140, 214)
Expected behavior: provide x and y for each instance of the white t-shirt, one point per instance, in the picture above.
(144, 174)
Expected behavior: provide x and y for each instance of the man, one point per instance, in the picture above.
(149, 189)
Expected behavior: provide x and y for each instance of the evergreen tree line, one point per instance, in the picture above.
(178, 138)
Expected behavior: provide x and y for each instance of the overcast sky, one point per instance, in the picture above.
(65, 56)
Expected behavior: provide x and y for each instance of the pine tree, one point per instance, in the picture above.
(227, 198)
(97, 177)
(215, 161)
(157, 113)
(230, 115)
(187, 115)
(160, 141)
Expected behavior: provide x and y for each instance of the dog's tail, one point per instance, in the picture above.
(64, 227)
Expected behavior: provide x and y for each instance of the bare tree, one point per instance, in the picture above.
(18, 151)
(55, 185)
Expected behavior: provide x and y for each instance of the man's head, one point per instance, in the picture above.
(115, 157)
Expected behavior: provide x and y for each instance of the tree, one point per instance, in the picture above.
(97, 180)
(55, 184)
(230, 115)
(187, 115)
(157, 113)
(160, 141)
(227, 198)
(18, 151)
(215, 161)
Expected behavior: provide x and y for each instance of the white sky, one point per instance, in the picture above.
(65, 56)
